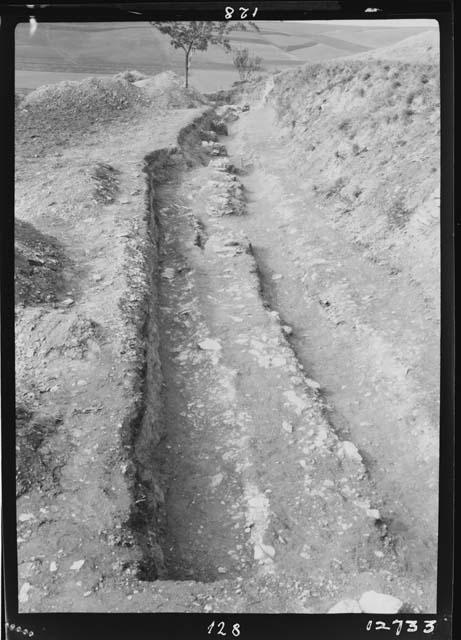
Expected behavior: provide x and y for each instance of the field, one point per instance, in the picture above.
(59, 51)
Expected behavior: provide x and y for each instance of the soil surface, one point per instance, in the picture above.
(365, 333)
(223, 405)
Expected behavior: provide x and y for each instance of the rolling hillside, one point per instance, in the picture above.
(72, 51)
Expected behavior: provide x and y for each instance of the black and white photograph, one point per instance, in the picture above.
(227, 291)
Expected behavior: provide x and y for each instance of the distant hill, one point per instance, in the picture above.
(423, 46)
(71, 51)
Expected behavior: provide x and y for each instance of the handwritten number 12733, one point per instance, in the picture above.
(410, 626)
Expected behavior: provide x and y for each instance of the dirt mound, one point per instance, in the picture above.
(76, 97)
(167, 90)
(39, 262)
(53, 113)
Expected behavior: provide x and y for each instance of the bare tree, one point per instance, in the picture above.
(197, 36)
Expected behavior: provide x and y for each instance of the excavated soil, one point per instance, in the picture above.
(219, 405)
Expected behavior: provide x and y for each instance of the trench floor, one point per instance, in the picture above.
(366, 336)
(255, 483)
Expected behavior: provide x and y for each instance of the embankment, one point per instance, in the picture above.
(365, 137)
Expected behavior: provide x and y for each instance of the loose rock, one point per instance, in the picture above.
(209, 345)
(348, 450)
(373, 602)
(346, 606)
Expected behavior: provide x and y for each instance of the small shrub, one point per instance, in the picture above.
(398, 214)
(366, 76)
(396, 84)
(344, 125)
(335, 188)
(246, 64)
(106, 182)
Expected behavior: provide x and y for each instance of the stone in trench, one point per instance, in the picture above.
(77, 565)
(168, 273)
(373, 514)
(263, 552)
(286, 426)
(312, 383)
(348, 450)
(209, 345)
(346, 606)
(220, 128)
(374, 602)
(216, 480)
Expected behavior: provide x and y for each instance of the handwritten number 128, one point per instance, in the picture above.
(243, 12)
(219, 631)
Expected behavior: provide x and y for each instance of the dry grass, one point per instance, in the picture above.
(365, 135)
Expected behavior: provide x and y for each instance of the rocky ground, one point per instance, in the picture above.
(223, 403)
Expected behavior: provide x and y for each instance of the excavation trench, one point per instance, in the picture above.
(238, 472)
(190, 515)
(214, 468)
(149, 427)
(200, 515)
